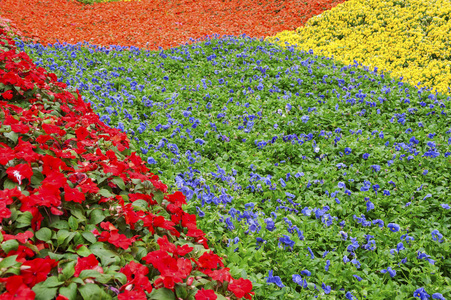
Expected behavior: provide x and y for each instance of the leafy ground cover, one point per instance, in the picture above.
(411, 38)
(81, 215)
(150, 23)
(313, 178)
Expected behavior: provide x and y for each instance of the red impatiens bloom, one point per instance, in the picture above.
(73, 194)
(241, 288)
(8, 95)
(6, 154)
(87, 263)
(206, 295)
(22, 253)
(219, 275)
(50, 129)
(16, 289)
(177, 198)
(112, 236)
(209, 260)
(138, 283)
(21, 237)
(88, 186)
(19, 172)
(24, 150)
(38, 270)
(132, 295)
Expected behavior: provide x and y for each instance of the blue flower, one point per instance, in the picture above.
(348, 150)
(389, 271)
(350, 296)
(438, 296)
(426, 257)
(393, 227)
(305, 118)
(286, 241)
(327, 289)
(369, 206)
(437, 236)
(326, 267)
(270, 224)
(199, 212)
(445, 206)
(199, 141)
(306, 272)
(421, 293)
(151, 160)
(298, 279)
(358, 277)
(365, 155)
(341, 185)
(274, 279)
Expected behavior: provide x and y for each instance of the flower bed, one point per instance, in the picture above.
(314, 178)
(81, 214)
(411, 39)
(151, 23)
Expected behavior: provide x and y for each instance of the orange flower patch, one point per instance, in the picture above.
(153, 23)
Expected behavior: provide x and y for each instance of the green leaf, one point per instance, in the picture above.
(61, 236)
(44, 234)
(89, 236)
(70, 291)
(158, 196)
(8, 184)
(83, 251)
(119, 182)
(9, 262)
(92, 291)
(106, 256)
(37, 178)
(24, 219)
(73, 223)
(46, 290)
(162, 294)
(181, 291)
(60, 224)
(13, 136)
(105, 193)
(96, 216)
(10, 245)
(77, 212)
(69, 270)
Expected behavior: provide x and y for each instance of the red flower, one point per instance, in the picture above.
(20, 172)
(20, 128)
(89, 186)
(73, 194)
(38, 271)
(206, 295)
(87, 263)
(6, 154)
(61, 297)
(220, 275)
(177, 198)
(241, 288)
(132, 295)
(24, 150)
(21, 237)
(132, 269)
(209, 260)
(49, 129)
(16, 289)
(8, 95)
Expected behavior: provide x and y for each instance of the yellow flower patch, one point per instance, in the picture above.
(409, 38)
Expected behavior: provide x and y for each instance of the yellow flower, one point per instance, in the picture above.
(409, 38)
